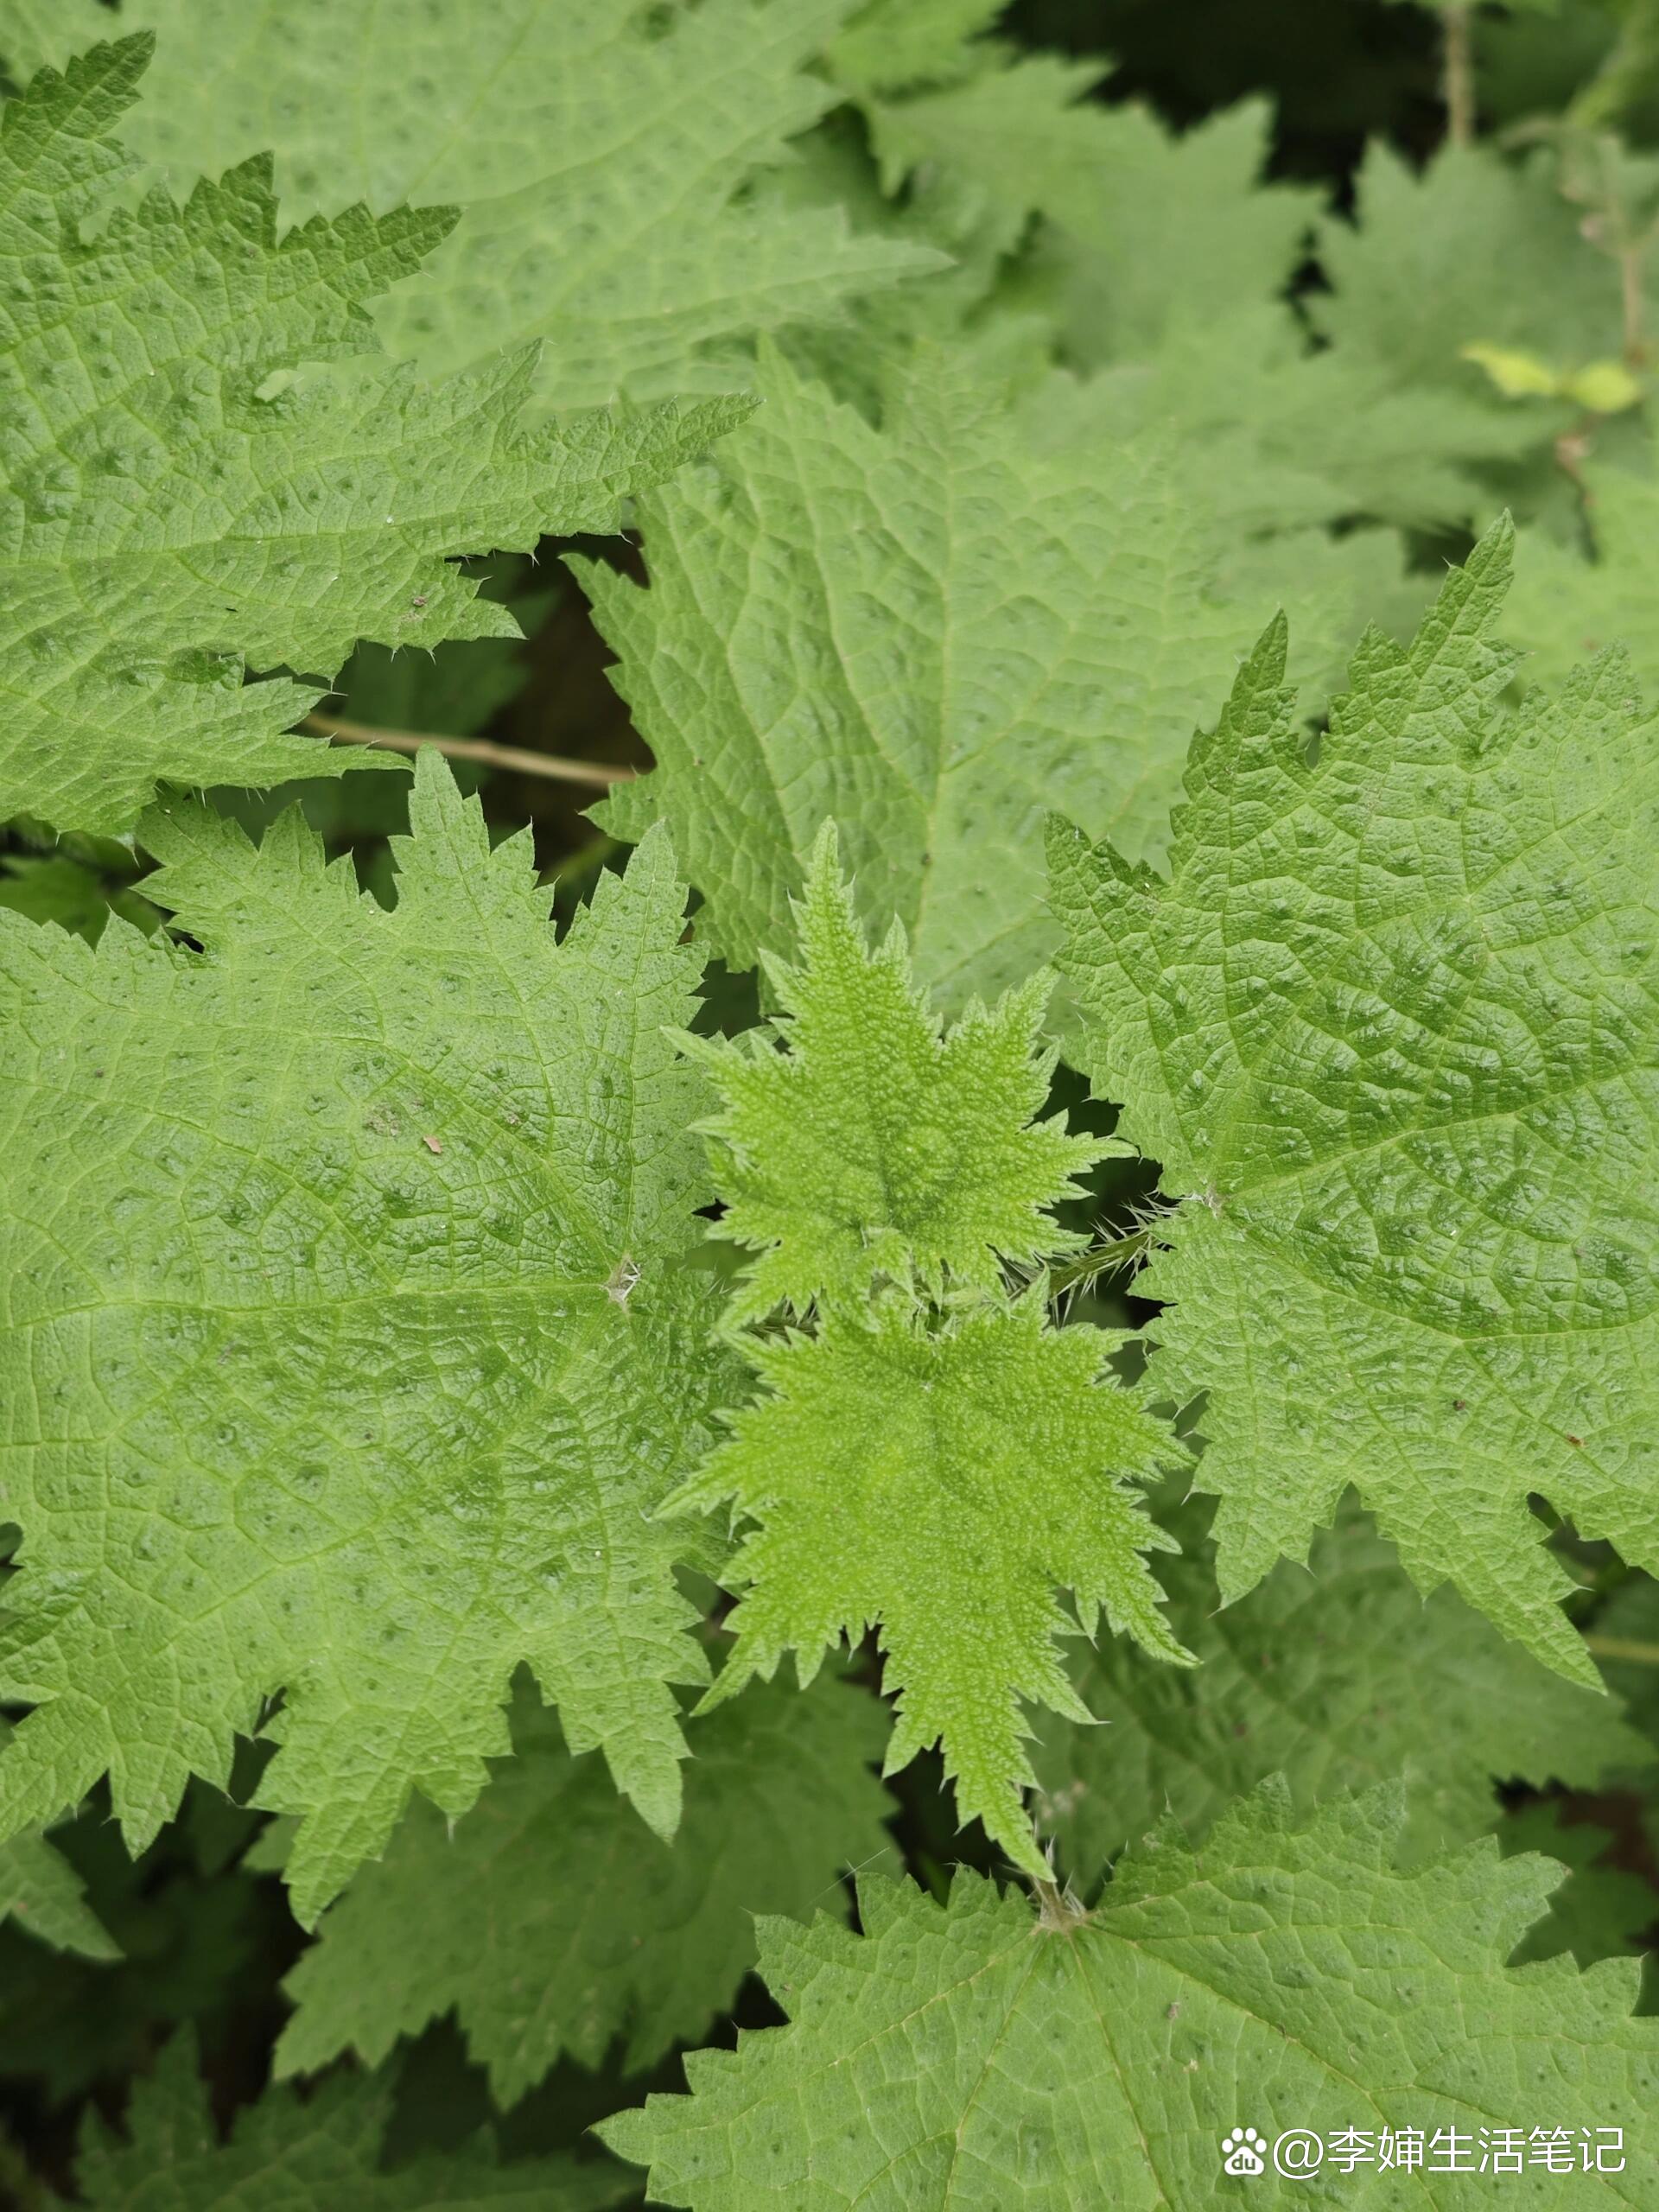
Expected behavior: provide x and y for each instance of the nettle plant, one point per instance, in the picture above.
(1111, 1397)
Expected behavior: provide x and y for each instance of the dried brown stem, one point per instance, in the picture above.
(1458, 76)
(551, 764)
(1629, 1648)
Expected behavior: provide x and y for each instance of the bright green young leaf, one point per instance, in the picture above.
(1337, 1680)
(976, 2057)
(348, 1349)
(938, 1486)
(928, 630)
(178, 503)
(1600, 387)
(600, 152)
(877, 1143)
(553, 1923)
(320, 2156)
(1391, 1025)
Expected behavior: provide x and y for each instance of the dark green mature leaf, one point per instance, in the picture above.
(322, 2156)
(42, 1896)
(1391, 1025)
(1474, 249)
(1568, 606)
(606, 205)
(181, 504)
(1602, 1910)
(1337, 1679)
(553, 1923)
(929, 629)
(1140, 223)
(976, 2056)
(349, 1346)
(193, 1940)
(1280, 440)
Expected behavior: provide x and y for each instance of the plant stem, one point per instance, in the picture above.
(1630, 304)
(1101, 1260)
(1057, 1909)
(551, 764)
(1629, 1648)
(1458, 76)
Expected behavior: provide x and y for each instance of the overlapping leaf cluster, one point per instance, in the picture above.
(447, 1367)
(932, 1458)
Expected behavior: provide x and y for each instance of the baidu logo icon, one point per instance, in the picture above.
(1240, 2152)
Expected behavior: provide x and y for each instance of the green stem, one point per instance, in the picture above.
(1056, 1910)
(1101, 1260)
(1634, 1653)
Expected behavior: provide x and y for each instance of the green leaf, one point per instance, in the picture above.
(42, 1894)
(459, 688)
(552, 1922)
(1566, 606)
(1602, 1910)
(928, 630)
(602, 154)
(349, 1346)
(875, 1144)
(1473, 249)
(36, 33)
(320, 2156)
(1631, 1618)
(1389, 1025)
(62, 888)
(937, 1486)
(39, 1893)
(189, 1937)
(1515, 6)
(1140, 222)
(977, 2055)
(1336, 1679)
(1278, 439)
(181, 502)
(891, 46)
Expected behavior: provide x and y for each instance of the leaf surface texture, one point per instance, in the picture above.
(968, 2057)
(1390, 1024)
(348, 1349)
